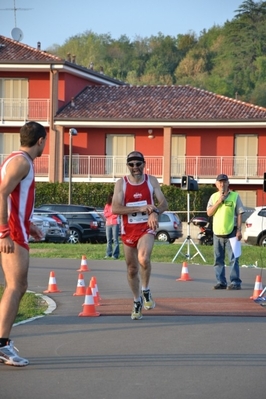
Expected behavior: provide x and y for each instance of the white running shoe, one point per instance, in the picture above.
(137, 310)
(9, 356)
(149, 303)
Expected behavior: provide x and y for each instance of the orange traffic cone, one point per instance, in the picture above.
(81, 289)
(97, 290)
(184, 273)
(84, 265)
(52, 286)
(94, 292)
(88, 306)
(257, 288)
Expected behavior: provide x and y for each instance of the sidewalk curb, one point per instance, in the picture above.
(51, 307)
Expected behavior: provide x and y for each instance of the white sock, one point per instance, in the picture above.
(137, 300)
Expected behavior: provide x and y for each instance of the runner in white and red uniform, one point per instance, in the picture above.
(20, 202)
(16, 206)
(133, 199)
(135, 225)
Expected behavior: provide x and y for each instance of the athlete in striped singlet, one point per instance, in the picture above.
(17, 194)
(134, 200)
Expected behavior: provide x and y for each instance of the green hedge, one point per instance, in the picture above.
(96, 194)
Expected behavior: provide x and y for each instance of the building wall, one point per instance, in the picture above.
(39, 85)
(262, 144)
(208, 142)
(38, 82)
(93, 141)
(70, 86)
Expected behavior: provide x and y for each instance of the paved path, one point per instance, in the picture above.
(113, 357)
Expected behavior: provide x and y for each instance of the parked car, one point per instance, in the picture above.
(39, 222)
(85, 224)
(60, 219)
(51, 231)
(255, 230)
(170, 227)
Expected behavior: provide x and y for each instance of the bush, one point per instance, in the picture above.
(96, 194)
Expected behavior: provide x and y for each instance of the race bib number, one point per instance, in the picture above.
(137, 217)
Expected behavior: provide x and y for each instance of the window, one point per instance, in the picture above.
(178, 166)
(9, 142)
(118, 146)
(14, 95)
(249, 198)
(246, 146)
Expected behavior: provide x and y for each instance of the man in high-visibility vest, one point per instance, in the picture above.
(226, 208)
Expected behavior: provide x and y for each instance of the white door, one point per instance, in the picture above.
(9, 142)
(246, 146)
(249, 199)
(117, 148)
(15, 94)
(178, 164)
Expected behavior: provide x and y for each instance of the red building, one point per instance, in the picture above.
(180, 129)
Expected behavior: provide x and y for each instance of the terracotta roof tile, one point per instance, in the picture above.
(11, 50)
(173, 103)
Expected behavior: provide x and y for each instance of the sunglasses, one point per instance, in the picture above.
(132, 164)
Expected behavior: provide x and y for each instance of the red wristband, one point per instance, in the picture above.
(4, 233)
(4, 227)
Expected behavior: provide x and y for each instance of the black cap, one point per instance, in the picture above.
(135, 156)
(221, 177)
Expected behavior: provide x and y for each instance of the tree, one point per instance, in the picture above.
(226, 59)
(164, 56)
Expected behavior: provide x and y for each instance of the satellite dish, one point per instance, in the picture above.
(17, 34)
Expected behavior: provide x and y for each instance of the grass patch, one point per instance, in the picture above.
(31, 305)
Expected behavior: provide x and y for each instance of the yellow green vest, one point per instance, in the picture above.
(224, 217)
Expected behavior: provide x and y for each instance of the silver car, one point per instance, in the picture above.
(51, 231)
(170, 227)
(40, 224)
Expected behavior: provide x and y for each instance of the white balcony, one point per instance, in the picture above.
(41, 167)
(204, 169)
(107, 169)
(24, 110)
(209, 167)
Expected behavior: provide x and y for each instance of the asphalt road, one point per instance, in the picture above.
(113, 357)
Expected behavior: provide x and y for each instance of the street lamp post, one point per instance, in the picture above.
(72, 132)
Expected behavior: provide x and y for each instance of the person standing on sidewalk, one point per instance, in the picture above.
(17, 193)
(112, 229)
(134, 200)
(226, 208)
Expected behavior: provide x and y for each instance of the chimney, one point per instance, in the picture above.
(38, 45)
(91, 65)
(69, 57)
(74, 59)
(101, 70)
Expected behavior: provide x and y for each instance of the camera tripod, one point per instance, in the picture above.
(188, 240)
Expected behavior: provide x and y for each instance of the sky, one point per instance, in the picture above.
(54, 21)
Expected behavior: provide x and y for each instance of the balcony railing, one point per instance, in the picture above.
(41, 166)
(208, 167)
(88, 167)
(107, 168)
(23, 109)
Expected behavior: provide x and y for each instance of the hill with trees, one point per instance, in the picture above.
(229, 60)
